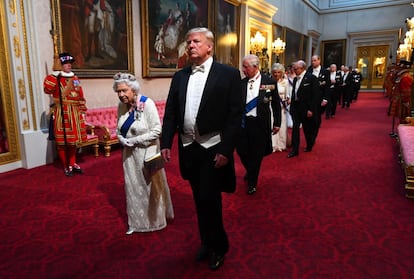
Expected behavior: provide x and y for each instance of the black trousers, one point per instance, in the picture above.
(335, 94)
(251, 149)
(347, 97)
(207, 197)
(309, 127)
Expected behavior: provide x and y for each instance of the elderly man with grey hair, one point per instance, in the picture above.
(259, 92)
(304, 106)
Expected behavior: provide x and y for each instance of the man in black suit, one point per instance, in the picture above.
(334, 91)
(322, 75)
(204, 106)
(258, 93)
(303, 107)
(357, 78)
(347, 87)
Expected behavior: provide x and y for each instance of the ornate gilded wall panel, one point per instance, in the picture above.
(9, 146)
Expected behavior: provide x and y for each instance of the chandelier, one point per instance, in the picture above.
(257, 43)
(278, 47)
(405, 49)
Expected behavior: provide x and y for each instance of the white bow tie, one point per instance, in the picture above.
(198, 69)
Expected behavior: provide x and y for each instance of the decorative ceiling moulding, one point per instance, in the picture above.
(314, 34)
(261, 10)
(372, 35)
(261, 7)
(336, 6)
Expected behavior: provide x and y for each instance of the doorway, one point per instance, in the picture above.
(372, 63)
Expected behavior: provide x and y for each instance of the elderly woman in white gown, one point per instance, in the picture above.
(279, 140)
(148, 200)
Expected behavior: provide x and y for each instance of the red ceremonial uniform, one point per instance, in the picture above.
(401, 98)
(73, 107)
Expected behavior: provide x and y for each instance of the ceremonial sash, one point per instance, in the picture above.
(249, 106)
(131, 118)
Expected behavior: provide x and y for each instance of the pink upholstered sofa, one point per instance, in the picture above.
(104, 121)
(406, 142)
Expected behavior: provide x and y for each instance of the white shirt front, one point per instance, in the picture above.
(195, 88)
(316, 71)
(298, 81)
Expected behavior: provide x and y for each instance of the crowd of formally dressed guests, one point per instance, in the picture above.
(307, 95)
(398, 88)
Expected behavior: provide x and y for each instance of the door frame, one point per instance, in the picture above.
(388, 37)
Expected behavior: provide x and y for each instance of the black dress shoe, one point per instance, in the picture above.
(251, 190)
(202, 254)
(77, 169)
(68, 172)
(307, 149)
(215, 261)
(292, 154)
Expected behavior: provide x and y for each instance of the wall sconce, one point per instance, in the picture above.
(257, 43)
(278, 47)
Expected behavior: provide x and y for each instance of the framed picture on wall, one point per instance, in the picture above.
(333, 52)
(226, 29)
(99, 36)
(293, 46)
(304, 53)
(163, 28)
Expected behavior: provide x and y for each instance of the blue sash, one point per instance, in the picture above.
(131, 118)
(249, 106)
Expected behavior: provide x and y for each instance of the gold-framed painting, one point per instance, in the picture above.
(9, 137)
(294, 41)
(227, 29)
(163, 28)
(333, 52)
(98, 34)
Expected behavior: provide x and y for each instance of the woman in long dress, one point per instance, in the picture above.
(279, 140)
(148, 200)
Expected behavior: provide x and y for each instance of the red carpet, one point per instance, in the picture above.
(337, 212)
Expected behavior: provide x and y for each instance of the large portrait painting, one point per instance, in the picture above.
(98, 33)
(333, 52)
(164, 25)
(293, 46)
(226, 29)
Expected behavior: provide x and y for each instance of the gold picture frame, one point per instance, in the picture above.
(294, 46)
(99, 36)
(226, 30)
(333, 52)
(9, 144)
(163, 26)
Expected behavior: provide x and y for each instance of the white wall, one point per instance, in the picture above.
(338, 25)
(296, 15)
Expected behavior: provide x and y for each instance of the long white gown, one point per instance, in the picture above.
(148, 200)
(279, 139)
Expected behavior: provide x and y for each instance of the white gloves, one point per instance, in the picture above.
(134, 140)
(124, 142)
